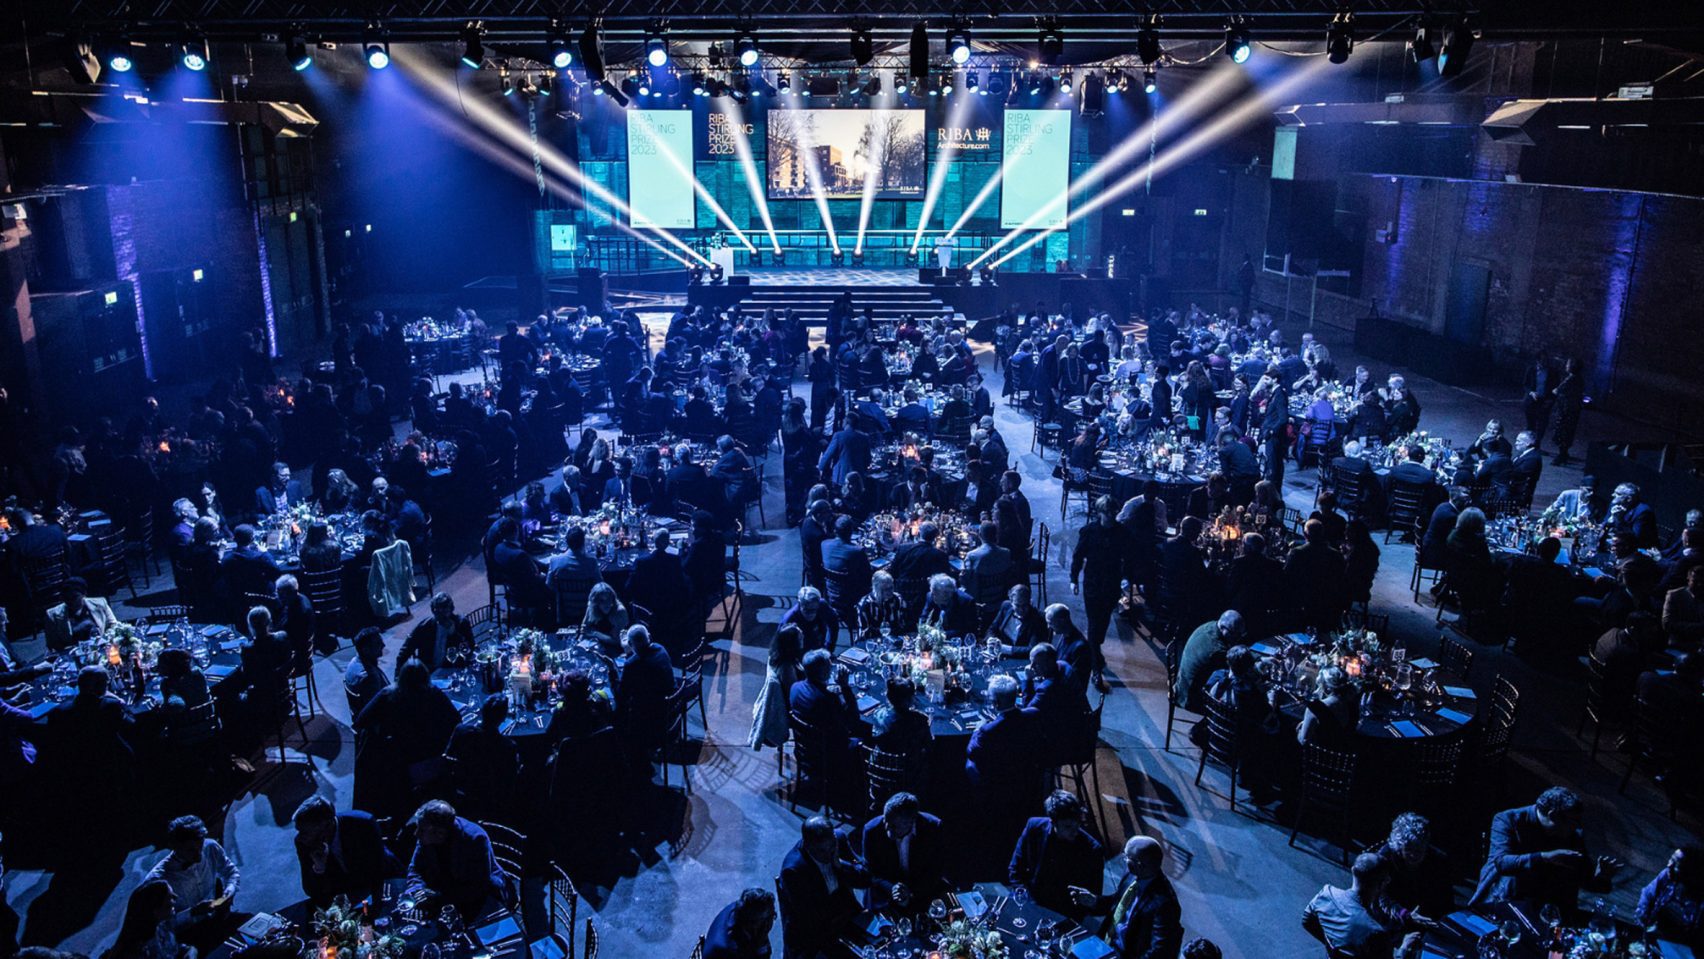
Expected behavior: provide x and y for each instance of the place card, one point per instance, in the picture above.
(1424, 662)
(867, 703)
(1300, 639)
(504, 928)
(260, 924)
(442, 682)
(877, 925)
(856, 656)
(217, 671)
(1455, 716)
(231, 645)
(972, 903)
(1674, 950)
(1459, 692)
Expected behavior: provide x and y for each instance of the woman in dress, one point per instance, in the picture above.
(800, 448)
(880, 607)
(769, 719)
(606, 618)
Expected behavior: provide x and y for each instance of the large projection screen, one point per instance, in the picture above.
(659, 168)
(843, 153)
(1037, 166)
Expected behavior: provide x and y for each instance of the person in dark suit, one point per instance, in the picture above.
(341, 854)
(842, 556)
(1061, 708)
(1538, 396)
(644, 681)
(816, 883)
(453, 863)
(1538, 854)
(624, 489)
(1352, 463)
(295, 619)
(1631, 516)
(1160, 396)
(950, 608)
(1524, 467)
(1434, 551)
(741, 929)
(1254, 584)
(1018, 624)
(1004, 761)
(916, 492)
(1492, 474)
(88, 735)
(921, 558)
(279, 493)
(824, 700)
(565, 499)
(247, 568)
(989, 570)
(1076, 655)
(182, 532)
(816, 529)
(1412, 472)
(848, 451)
(1313, 577)
(1537, 594)
(1057, 860)
(686, 484)
(903, 855)
(659, 582)
(1144, 921)
(441, 637)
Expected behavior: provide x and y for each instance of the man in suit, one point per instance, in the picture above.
(988, 569)
(917, 491)
(80, 617)
(573, 573)
(1047, 374)
(1061, 708)
(842, 556)
(1493, 474)
(1057, 860)
(1018, 625)
(1004, 761)
(950, 608)
(659, 581)
(1539, 386)
(247, 568)
(280, 493)
(687, 484)
(816, 883)
(1351, 463)
(295, 618)
(732, 468)
(624, 489)
(1254, 584)
(1683, 609)
(1524, 467)
(1630, 515)
(341, 854)
(913, 417)
(1145, 921)
(1077, 656)
(183, 530)
(1538, 854)
(1237, 462)
(1010, 481)
(741, 929)
(437, 639)
(453, 863)
(848, 451)
(1537, 594)
(903, 854)
(1313, 577)
(565, 500)
(644, 681)
(921, 558)
(1412, 472)
(815, 530)
(824, 700)
(1433, 551)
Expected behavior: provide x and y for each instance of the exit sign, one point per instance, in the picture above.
(1199, 211)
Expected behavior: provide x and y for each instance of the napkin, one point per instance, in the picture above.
(504, 928)
(1455, 716)
(1460, 692)
(1408, 729)
(1424, 663)
(855, 656)
(442, 682)
(1477, 925)
(219, 672)
(547, 948)
(1674, 950)
(1300, 639)
(41, 709)
(867, 703)
(877, 924)
(1091, 948)
(1265, 649)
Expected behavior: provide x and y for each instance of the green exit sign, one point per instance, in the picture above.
(111, 298)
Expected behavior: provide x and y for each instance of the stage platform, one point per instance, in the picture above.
(833, 276)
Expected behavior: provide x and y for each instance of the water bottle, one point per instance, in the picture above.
(1603, 919)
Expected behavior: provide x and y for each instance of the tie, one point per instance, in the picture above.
(1126, 902)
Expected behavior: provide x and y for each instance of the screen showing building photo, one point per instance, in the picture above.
(1037, 162)
(843, 152)
(659, 168)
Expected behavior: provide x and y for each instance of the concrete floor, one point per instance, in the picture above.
(1240, 883)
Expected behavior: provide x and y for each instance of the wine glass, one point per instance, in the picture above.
(1021, 895)
(1551, 916)
(1510, 930)
(937, 910)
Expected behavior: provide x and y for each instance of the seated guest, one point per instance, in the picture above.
(606, 618)
(1058, 860)
(439, 640)
(626, 490)
(741, 929)
(1018, 625)
(815, 885)
(486, 766)
(1077, 656)
(267, 660)
(847, 560)
(1538, 854)
(1242, 690)
(1371, 492)
(1351, 922)
(1254, 585)
(1183, 566)
(364, 676)
(1331, 715)
(913, 416)
(1630, 515)
(1672, 903)
(1683, 610)
(319, 553)
(1537, 593)
(247, 568)
(1626, 652)
(1061, 708)
(898, 727)
(916, 492)
(817, 624)
(573, 573)
(341, 854)
(1360, 562)
(279, 493)
(400, 737)
(825, 701)
(1143, 917)
(295, 619)
(31, 540)
(182, 532)
(1314, 578)
(1689, 554)
(903, 855)
(1003, 761)
(1434, 543)
(881, 608)
(149, 929)
(686, 485)
(921, 558)
(1418, 880)
(732, 467)
(988, 569)
(644, 681)
(203, 881)
(698, 415)
(80, 618)
(565, 499)
(949, 607)
(453, 864)
(341, 493)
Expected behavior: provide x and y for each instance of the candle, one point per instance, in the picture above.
(165, 447)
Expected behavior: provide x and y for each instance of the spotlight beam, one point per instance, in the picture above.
(1194, 101)
(697, 185)
(487, 117)
(938, 177)
(872, 172)
(1198, 140)
(742, 149)
(813, 175)
(993, 183)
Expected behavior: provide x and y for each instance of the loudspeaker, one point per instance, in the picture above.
(178, 316)
(89, 349)
(739, 280)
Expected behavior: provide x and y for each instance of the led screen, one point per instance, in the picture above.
(844, 153)
(1037, 164)
(659, 168)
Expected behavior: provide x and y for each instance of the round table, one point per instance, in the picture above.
(1021, 926)
(884, 532)
(1130, 477)
(469, 683)
(1437, 706)
(215, 648)
(496, 932)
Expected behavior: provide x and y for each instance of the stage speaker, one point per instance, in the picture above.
(90, 350)
(739, 280)
(178, 316)
(593, 286)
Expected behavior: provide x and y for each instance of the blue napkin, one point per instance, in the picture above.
(41, 709)
(442, 682)
(1594, 572)
(1265, 649)
(1460, 692)
(504, 928)
(1091, 948)
(1455, 716)
(867, 703)
(1300, 639)
(1407, 729)
(1424, 663)
(1674, 950)
(232, 646)
(219, 672)
(1477, 925)
(877, 924)
(547, 948)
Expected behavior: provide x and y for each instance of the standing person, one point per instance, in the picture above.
(823, 392)
(800, 447)
(1097, 572)
(1570, 399)
(1274, 428)
(1540, 396)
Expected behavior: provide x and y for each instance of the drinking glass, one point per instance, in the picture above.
(1021, 895)
(1551, 915)
(1510, 931)
(937, 910)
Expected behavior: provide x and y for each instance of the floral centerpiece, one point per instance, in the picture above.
(964, 940)
(930, 637)
(343, 932)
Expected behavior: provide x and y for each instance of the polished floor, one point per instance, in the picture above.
(1240, 883)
